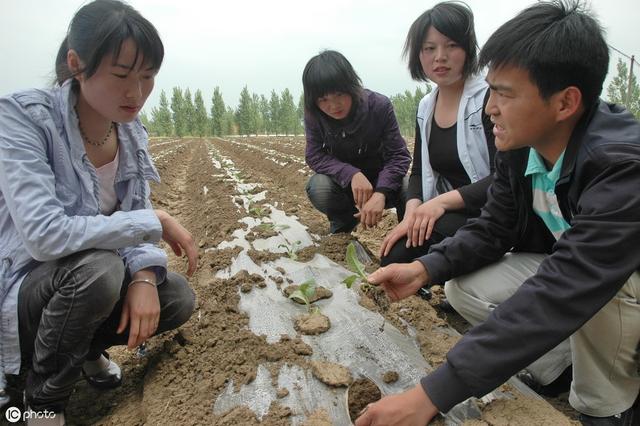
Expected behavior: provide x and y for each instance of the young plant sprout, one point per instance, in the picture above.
(356, 266)
(305, 293)
(291, 250)
(258, 211)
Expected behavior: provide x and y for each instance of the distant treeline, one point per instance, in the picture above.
(255, 114)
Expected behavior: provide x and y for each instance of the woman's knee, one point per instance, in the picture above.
(321, 190)
(99, 276)
(177, 301)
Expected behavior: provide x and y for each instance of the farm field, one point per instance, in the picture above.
(239, 360)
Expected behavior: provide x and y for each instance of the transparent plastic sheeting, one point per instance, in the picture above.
(357, 339)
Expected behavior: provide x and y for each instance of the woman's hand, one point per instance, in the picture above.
(179, 239)
(420, 224)
(371, 213)
(140, 311)
(361, 188)
(399, 231)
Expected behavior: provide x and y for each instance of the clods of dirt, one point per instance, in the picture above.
(331, 374)
(390, 377)
(312, 324)
(318, 418)
(361, 393)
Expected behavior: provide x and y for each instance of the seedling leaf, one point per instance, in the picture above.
(350, 280)
(354, 263)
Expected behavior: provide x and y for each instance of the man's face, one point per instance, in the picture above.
(521, 117)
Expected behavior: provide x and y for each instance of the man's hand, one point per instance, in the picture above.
(141, 312)
(400, 280)
(361, 188)
(371, 213)
(410, 408)
(179, 239)
(420, 224)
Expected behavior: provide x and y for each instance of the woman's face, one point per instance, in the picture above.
(442, 59)
(116, 91)
(336, 105)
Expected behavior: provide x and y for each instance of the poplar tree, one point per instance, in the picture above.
(218, 111)
(189, 113)
(244, 112)
(287, 112)
(161, 117)
(177, 109)
(201, 119)
(618, 90)
(274, 113)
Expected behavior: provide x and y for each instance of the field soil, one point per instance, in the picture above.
(178, 378)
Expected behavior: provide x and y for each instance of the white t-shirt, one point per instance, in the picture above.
(107, 178)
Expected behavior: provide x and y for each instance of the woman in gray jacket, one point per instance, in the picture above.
(454, 149)
(79, 267)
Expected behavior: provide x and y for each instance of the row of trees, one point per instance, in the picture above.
(279, 114)
(255, 114)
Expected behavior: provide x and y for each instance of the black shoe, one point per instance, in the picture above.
(109, 378)
(559, 386)
(631, 417)
(424, 293)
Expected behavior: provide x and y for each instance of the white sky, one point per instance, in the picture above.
(266, 44)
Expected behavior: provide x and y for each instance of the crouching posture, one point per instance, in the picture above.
(79, 267)
(353, 145)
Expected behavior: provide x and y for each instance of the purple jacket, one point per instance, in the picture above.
(370, 142)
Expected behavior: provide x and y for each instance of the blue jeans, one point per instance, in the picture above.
(338, 204)
(68, 312)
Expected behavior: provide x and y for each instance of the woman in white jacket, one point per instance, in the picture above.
(453, 154)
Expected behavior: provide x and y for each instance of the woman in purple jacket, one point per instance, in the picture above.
(353, 145)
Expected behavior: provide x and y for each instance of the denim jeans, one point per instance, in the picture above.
(338, 203)
(69, 310)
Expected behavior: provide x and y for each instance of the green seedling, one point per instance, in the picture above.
(356, 266)
(304, 293)
(291, 250)
(258, 211)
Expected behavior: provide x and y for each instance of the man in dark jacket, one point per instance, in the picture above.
(353, 145)
(565, 207)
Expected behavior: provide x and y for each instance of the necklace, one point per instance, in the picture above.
(84, 135)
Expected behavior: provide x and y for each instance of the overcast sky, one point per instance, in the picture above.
(265, 44)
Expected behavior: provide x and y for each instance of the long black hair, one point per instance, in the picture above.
(329, 72)
(99, 28)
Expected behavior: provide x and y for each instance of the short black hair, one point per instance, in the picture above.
(99, 28)
(559, 43)
(329, 72)
(454, 19)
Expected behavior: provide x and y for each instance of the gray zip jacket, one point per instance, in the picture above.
(49, 199)
(471, 139)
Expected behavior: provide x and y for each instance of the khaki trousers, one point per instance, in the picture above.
(604, 351)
